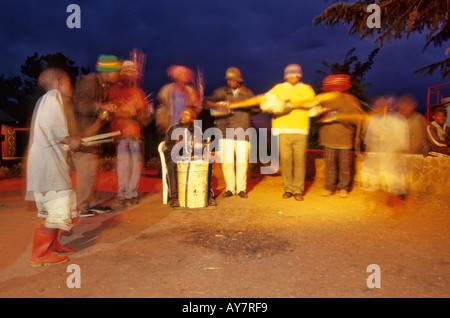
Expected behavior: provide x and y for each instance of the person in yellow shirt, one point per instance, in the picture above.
(292, 129)
(291, 125)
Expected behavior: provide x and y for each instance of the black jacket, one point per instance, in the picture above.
(239, 118)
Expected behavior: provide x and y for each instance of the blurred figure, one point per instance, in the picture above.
(386, 138)
(338, 136)
(234, 152)
(437, 136)
(293, 130)
(92, 109)
(187, 117)
(446, 104)
(291, 124)
(48, 179)
(132, 113)
(173, 97)
(406, 106)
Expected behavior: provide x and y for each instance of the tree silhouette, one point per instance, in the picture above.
(399, 18)
(19, 94)
(357, 71)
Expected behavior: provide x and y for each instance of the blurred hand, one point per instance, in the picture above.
(224, 106)
(109, 107)
(73, 142)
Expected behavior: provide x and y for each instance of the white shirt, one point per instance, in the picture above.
(47, 167)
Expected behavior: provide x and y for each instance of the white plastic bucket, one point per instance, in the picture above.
(193, 184)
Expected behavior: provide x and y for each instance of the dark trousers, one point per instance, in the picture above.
(337, 169)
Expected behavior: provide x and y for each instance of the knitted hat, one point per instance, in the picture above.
(336, 82)
(129, 68)
(108, 63)
(293, 70)
(233, 74)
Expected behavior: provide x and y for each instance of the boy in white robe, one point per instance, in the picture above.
(48, 179)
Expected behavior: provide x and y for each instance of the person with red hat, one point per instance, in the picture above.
(132, 114)
(173, 97)
(337, 136)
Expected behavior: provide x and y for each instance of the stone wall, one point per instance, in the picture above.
(429, 175)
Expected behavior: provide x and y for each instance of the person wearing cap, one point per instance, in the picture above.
(292, 129)
(234, 169)
(91, 110)
(132, 113)
(291, 124)
(173, 97)
(337, 136)
(186, 121)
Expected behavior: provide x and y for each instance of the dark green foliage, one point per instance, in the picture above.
(399, 18)
(19, 94)
(357, 71)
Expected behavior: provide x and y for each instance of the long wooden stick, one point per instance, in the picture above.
(101, 136)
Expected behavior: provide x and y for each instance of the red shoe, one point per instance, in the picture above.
(58, 248)
(41, 254)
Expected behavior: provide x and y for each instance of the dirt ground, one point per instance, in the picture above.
(260, 247)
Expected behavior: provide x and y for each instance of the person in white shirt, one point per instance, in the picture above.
(47, 170)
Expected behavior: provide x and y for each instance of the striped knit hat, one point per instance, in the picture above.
(336, 82)
(129, 68)
(293, 70)
(108, 63)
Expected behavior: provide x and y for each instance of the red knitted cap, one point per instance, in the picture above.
(336, 82)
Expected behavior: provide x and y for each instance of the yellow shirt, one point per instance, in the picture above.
(297, 121)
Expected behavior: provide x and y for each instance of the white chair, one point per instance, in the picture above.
(165, 184)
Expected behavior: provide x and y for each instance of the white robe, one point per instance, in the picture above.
(47, 168)
(387, 137)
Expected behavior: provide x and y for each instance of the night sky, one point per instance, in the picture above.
(259, 36)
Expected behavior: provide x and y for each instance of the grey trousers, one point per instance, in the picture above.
(337, 169)
(293, 161)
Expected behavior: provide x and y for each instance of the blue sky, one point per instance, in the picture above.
(259, 36)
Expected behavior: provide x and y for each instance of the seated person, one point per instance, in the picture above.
(437, 134)
(187, 117)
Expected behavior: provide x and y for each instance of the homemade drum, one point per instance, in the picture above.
(193, 183)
